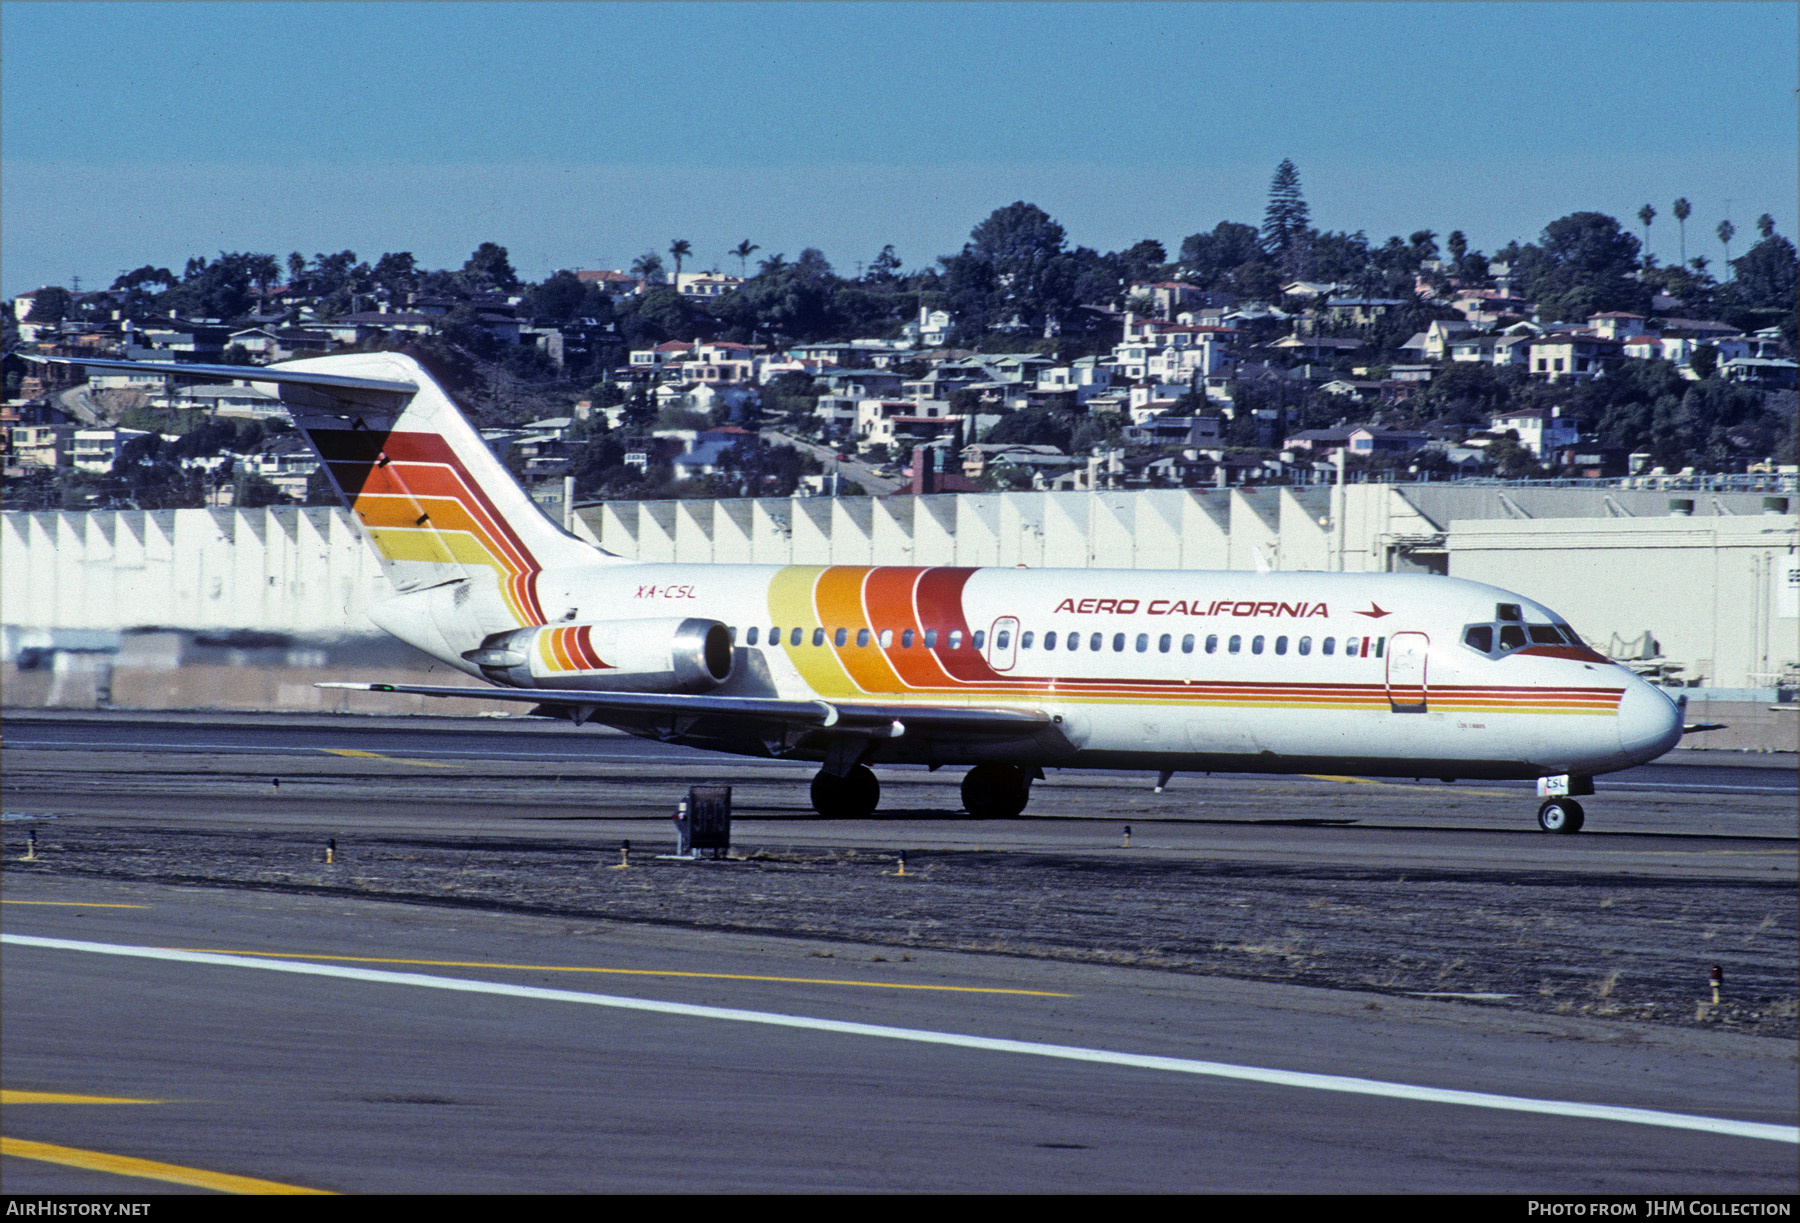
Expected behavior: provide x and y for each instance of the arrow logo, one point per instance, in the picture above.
(1375, 612)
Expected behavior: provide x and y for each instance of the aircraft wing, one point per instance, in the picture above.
(894, 719)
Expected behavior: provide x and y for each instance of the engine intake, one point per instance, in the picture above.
(663, 655)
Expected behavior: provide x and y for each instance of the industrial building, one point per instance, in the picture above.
(1701, 586)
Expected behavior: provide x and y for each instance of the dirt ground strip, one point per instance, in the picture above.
(1628, 947)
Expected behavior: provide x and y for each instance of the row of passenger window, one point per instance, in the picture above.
(1071, 642)
(1354, 647)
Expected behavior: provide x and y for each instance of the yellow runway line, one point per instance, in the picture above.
(145, 1169)
(424, 764)
(71, 904)
(60, 1097)
(622, 972)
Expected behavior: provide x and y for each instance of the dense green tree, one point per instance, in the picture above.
(489, 269)
(657, 316)
(1143, 262)
(325, 274)
(221, 289)
(1512, 458)
(1584, 263)
(1208, 259)
(1033, 427)
(786, 301)
(1767, 275)
(1011, 271)
(51, 305)
(885, 267)
(754, 468)
(597, 462)
(146, 275)
(1286, 227)
(566, 296)
(397, 272)
(1344, 258)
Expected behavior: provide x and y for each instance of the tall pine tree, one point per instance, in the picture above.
(1286, 227)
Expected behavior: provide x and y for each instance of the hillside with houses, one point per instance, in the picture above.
(1278, 353)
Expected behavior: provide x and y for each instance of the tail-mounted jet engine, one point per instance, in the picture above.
(667, 655)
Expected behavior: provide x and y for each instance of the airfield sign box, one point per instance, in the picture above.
(706, 822)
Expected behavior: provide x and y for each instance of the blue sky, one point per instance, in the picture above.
(579, 134)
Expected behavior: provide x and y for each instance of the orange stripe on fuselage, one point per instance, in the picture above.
(888, 600)
(838, 600)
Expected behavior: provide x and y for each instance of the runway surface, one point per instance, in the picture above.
(1283, 984)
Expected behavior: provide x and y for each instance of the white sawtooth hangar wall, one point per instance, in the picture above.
(1713, 585)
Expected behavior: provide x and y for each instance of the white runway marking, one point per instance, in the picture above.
(1072, 1053)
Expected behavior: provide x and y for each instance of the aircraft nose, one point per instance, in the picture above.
(1649, 722)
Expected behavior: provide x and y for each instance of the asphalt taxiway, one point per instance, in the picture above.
(1282, 984)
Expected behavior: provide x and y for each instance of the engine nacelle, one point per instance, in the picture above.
(665, 655)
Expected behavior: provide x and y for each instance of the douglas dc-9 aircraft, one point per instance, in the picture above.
(1010, 671)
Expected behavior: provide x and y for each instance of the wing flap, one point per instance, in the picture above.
(825, 715)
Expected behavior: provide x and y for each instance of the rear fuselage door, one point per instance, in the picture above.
(1406, 658)
(1003, 643)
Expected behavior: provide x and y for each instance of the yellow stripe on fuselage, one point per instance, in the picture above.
(791, 603)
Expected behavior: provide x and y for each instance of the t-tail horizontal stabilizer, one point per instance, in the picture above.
(353, 391)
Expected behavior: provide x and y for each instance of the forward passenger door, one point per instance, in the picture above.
(1406, 680)
(1003, 643)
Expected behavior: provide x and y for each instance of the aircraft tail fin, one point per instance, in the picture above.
(431, 498)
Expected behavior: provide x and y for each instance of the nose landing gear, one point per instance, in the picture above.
(1560, 815)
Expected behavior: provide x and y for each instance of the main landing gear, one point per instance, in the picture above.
(996, 791)
(989, 792)
(854, 796)
(1560, 815)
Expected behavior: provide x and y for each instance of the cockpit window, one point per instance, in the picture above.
(1509, 632)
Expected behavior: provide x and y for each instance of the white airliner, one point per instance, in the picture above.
(1010, 671)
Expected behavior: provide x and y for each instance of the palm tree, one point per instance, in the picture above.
(1682, 209)
(1646, 214)
(1727, 231)
(648, 267)
(1765, 225)
(265, 270)
(743, 251)
(680, 249)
